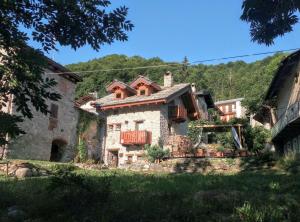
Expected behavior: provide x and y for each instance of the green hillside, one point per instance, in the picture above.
(224, 81)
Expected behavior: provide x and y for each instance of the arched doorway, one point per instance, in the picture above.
(57, 150)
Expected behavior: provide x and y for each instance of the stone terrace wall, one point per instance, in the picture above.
(190, 165)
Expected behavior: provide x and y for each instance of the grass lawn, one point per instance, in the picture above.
(87, 195)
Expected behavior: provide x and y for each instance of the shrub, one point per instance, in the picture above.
(250, 213)
(226, 140)
(156, 152)
(61, 168)
(82, 150)
(290, 162)
(260, 138)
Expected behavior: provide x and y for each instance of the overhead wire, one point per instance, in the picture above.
(175, 64)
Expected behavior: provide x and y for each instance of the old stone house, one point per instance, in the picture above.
(281, 107)
(143, 112)
(51, 137)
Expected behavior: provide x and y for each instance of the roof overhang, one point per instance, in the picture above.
(124, 105)
(283, 71)
(116, 83)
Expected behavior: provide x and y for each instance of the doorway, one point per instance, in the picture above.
(113, 158)
(57, 150)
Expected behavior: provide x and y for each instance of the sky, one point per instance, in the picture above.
(172, 29)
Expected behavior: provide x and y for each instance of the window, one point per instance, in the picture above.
(53, 111)
(53, 117)
(118, 127)
(118, 95)
(139, 125)
(129, 159)
(110, 127)
(142, 92)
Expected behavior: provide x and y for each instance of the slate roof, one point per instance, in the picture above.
(147, 80)
(110, 87)
(165, 94)
(228, 101)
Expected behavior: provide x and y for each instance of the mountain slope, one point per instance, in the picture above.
(224, 81)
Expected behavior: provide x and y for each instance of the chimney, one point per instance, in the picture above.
(193, 85)
(168, 79)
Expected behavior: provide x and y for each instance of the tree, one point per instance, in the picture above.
(73, 23)
(270, 18)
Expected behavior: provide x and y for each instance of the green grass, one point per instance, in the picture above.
(127, 196)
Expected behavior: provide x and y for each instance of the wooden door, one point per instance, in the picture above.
(113, 159)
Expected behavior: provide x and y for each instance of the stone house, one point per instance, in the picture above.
(143, 112)
(231, 108)
(51, 137)
(281, 107)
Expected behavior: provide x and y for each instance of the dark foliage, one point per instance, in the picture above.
(224, 81)
(270, 18)
(73, 23)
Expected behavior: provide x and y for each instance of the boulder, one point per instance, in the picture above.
(23, 172)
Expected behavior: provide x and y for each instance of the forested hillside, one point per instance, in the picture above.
(224, 81)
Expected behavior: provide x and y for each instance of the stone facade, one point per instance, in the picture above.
(40, 135)
(153, 118)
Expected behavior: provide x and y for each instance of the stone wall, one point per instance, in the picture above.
(127, 117)
(190, 165)
(37, 142)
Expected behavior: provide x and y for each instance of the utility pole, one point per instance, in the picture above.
(230, 83)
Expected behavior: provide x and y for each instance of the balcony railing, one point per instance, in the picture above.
(291, 114)
(138, 137)
(177, 113)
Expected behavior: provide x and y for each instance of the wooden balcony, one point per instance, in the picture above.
(288, 123)
(140, 137)
(177, 113)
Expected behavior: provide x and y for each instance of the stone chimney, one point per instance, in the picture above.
(193, 85)
(168, 79)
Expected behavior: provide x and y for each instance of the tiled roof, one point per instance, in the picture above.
(165, 93)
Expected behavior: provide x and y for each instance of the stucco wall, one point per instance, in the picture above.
(37, 142)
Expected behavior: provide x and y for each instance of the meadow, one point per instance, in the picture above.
(73, 194)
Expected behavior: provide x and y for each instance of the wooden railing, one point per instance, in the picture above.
(292, 113)
(140, 137)
(177, 113)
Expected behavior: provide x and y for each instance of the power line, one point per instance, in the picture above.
(177, 64)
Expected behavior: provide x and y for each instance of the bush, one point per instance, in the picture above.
(156, 152)
(290, 162)
(61, 168)
(226, 140)
(82, 151)
(260, 137)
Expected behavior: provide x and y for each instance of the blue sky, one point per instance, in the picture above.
(172, 29)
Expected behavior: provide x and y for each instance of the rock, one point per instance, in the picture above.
(35, 172)
(23, 172)
(15, 213)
